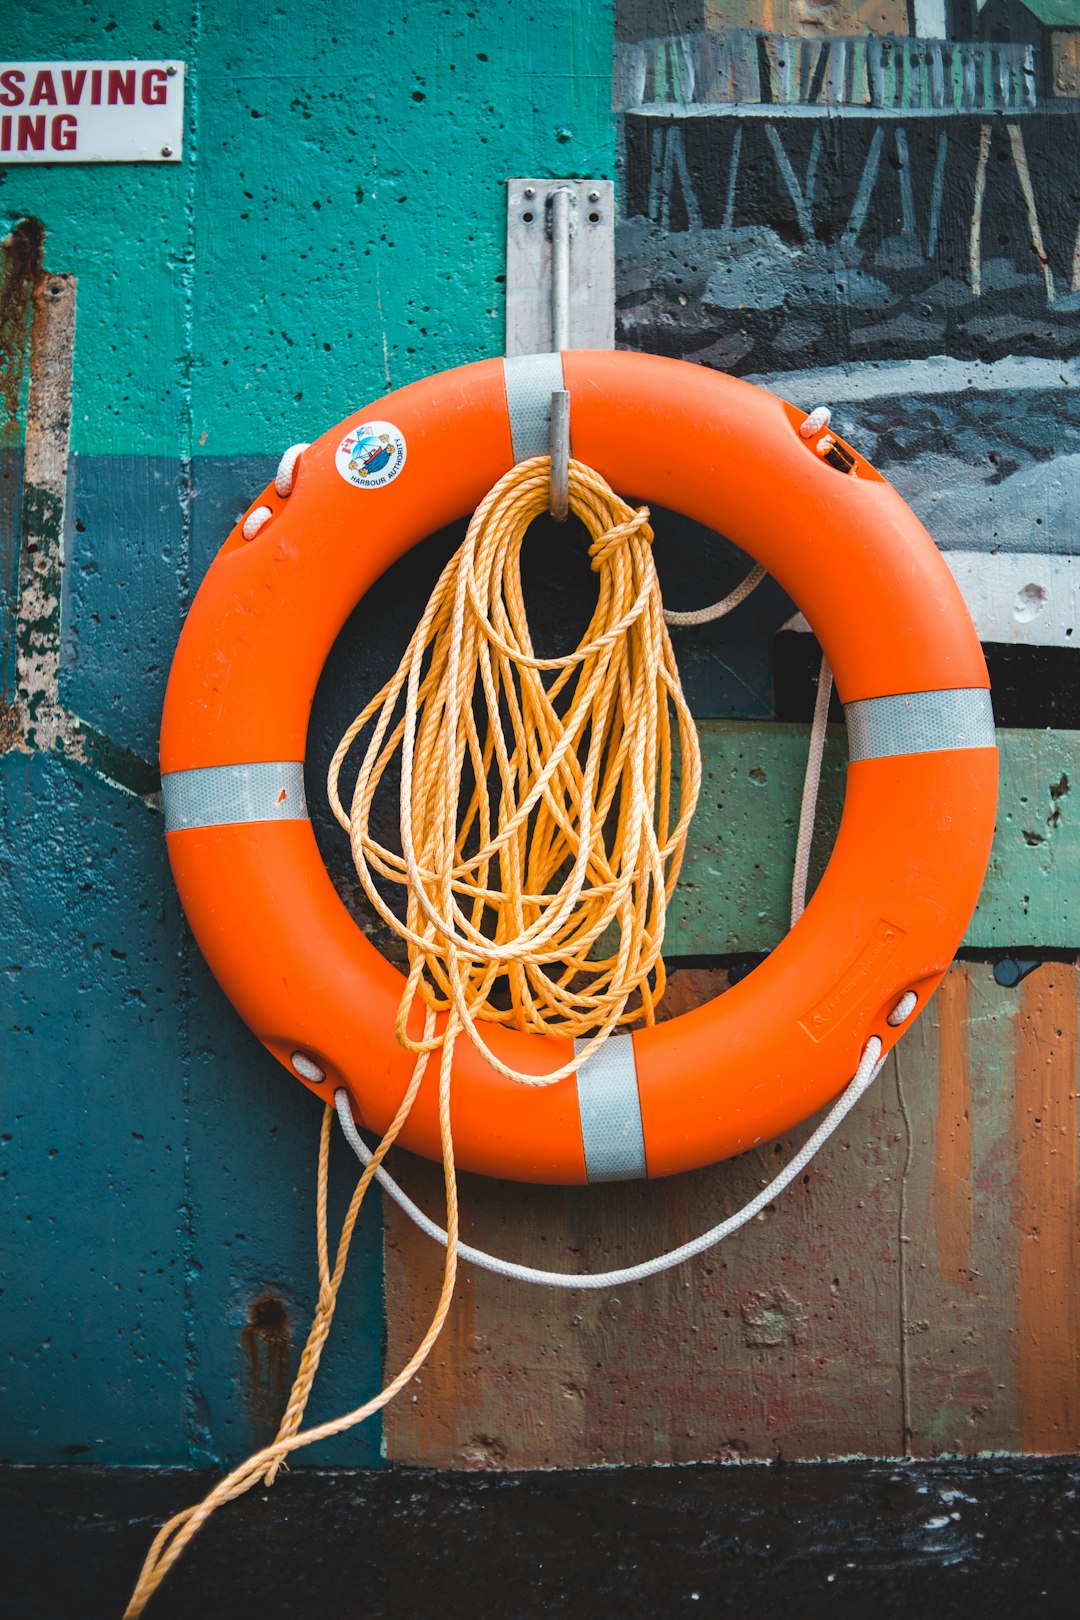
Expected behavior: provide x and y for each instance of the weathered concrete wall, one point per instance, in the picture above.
(890, 222)
(904, 1298)
(336, 228)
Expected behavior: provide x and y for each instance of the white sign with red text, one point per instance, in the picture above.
(91, 112)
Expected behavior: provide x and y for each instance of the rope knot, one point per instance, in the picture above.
(605, 545)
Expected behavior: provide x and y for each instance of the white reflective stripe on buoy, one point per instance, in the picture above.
(531, 379)
(919, 723)
(223, 795)
(610, 1108)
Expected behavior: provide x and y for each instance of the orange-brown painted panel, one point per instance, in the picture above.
(918, 1293)
(782, 1342)
(955, 1080)
(1047, 1210)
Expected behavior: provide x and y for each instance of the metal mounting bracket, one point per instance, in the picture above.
(533, 208)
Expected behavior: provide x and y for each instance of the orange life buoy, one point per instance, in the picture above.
(919, 805)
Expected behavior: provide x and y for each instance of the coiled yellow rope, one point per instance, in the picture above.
(579, 837)
(540, 902)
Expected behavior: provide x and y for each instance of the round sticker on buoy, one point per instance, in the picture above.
(371, 456)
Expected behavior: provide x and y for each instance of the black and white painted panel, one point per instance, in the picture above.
(877, 207)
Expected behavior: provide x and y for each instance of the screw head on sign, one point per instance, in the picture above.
(594, 196)
(166, 151)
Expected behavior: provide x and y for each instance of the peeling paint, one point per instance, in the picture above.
(41, 562)
(772, 1317)
(33, 719)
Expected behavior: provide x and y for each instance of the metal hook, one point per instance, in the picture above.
(561, 200)
(559, 499)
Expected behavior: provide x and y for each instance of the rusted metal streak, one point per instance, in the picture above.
(22, 275)
(266, 1342)
(36, 721)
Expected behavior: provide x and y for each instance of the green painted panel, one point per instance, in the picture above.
(337, 225)
(734, 892)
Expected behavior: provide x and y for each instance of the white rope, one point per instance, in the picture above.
(819, 418)
(254, 521)
(284, 479)
(705, 615)
(811, 784)
(285, 476)
(864, 1074)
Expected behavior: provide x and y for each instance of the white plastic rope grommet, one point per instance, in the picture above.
(819, 418)
(864, 1074)
(285, 477)
(255, 521)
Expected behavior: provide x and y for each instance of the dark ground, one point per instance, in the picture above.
(998, 1539)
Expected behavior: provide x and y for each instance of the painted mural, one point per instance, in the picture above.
(875, 203)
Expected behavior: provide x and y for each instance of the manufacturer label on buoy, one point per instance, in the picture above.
(371, 456)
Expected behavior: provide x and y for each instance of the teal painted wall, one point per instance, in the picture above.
(336, 227)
